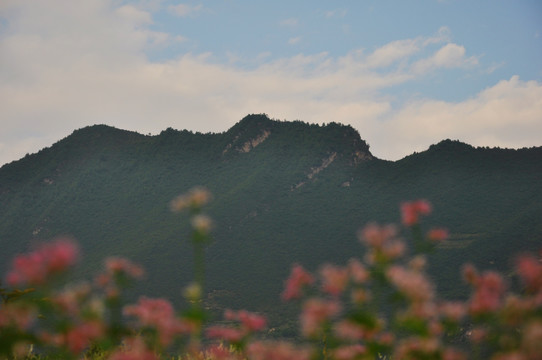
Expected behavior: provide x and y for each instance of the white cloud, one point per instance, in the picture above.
(134, 15)
(184, 10)
(507, 114)
(294, 40)
(389, 53)
(402, 51)
(76, 64)
(335, 13)
(290, 22)
(449, 56)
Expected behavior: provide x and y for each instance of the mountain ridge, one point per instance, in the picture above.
(248, 125)
(283, 192)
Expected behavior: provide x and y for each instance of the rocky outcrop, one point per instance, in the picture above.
(252, 143)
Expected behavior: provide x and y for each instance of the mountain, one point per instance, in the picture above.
(284, 192)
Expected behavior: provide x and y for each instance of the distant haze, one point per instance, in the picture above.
(404, 74)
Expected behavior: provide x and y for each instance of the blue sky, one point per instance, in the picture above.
(405, 74)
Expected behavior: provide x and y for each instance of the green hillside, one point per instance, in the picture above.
(284, 192)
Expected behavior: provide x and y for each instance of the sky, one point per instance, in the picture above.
(404, 74)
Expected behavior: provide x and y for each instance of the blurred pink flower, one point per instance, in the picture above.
(411, 211)
(315, 313)
(417, 348)
(393, 249)
(219, 352)
(70, 298)
(360, 296)
(48, 259)
(194, 199)
(299, 278)
(349, 352)
(488, 291)
(530, 271)
(532, 340)
(249, 321)
(376, 236)
(413, 284)
(417, 263)
(512, 355)
(120, 265)
(478, 334)
(133, 349)
(470, 274)
(438, 234)
(334, 279)
(382, 243)
(358, 272)
(60, 255)
(229, 334)
(350, 331)
(277, 350)
(81, 336)
(453, 354)
(22, 316)
(453, 311)
(157, 313)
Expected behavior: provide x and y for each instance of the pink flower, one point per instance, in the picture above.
(249, 321)
(349, 330)
(80, 337)
(61, 255)
(48, 259)
(489, 289)
(299, 278)
(277, 350)
(411, 211)
(358, 272)
(194, 199)
(470, 274)
(417, 348)
(69, 299)
(219, 352)
(157, 313)
(150, 311)
(532, 339)
(453, 311)
(120, 265)
(530, 272)
(414, 285)
(315, 313)
(16, 314)
(382, 244)
(511, 355)
(334, 279)
(453, 354)
(360, 296)
(229, 334)
(477, 334)
(393, 249)
(376, 236)
(417, 263)
(134, 349)
(349, 352)
(437, 235)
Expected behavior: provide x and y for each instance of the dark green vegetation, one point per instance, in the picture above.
(284, 192)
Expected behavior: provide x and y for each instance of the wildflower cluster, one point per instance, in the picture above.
(382, 306)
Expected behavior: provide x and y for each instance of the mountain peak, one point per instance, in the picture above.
(451, 145)
(254, 129)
